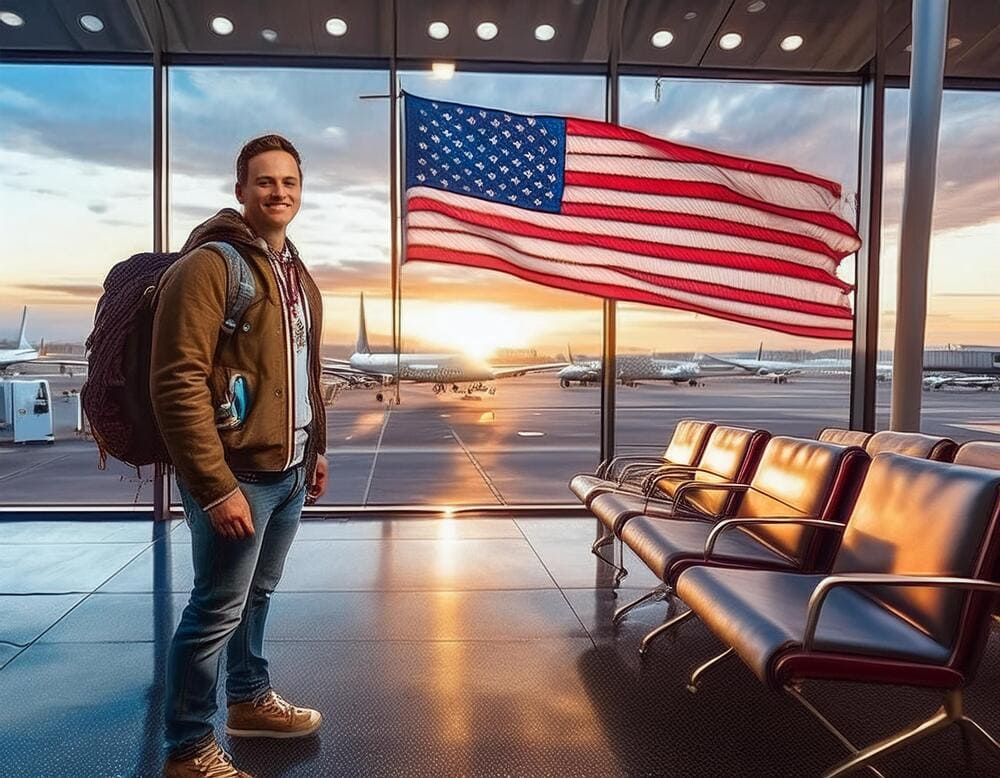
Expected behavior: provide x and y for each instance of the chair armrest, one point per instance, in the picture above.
(669, 470)
(640, 467)
(831, 582)
(604, 469)
(728, 524)
(701, 486)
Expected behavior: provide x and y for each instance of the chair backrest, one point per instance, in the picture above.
(844, 437)
(688, 441)
(920, 517)
(979, 453)
(912, 444)
(801, 478)
(731, 455)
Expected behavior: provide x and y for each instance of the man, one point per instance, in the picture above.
(244, 422)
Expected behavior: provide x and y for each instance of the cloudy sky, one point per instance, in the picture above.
(75, 153)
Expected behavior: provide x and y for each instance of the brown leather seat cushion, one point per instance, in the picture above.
(665, 543)
(762, 614)
(979, 453)
(912, 444)
(844, 437)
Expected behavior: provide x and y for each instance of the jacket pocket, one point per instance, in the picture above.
(233, 398)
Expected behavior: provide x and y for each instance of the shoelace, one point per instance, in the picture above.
(219, 764)
(273, 702)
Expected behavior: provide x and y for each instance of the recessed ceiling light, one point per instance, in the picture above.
(487, 31)
(690, 15)
(91, 23)
(756, 7)
(662, 38)
(791, 42)
(336, 27)
(730, 41)
(954, 43)
(269, 35)
(222, 26)
(11, 19)
(438, 30)
(545, 32)
(443, 70)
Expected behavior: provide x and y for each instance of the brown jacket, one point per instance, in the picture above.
(192, 361)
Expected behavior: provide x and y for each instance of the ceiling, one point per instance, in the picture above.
(837, 36)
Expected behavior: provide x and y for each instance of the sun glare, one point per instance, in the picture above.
(476, 329)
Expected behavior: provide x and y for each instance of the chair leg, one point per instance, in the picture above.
(622, 572)
(949, 713)
(601, 542)
(659, 592)
(978, 733)
(700, 670)
(665, 627)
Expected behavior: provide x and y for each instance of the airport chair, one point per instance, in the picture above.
(789, 517)
(979, 453)
(844, 437)
(907, 600)
(912, 444)
(730, 456)
(684, 449)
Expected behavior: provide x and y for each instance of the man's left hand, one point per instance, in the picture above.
(318, 487)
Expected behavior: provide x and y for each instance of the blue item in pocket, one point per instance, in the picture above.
(239, 397)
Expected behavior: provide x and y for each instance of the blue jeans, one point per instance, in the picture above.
(233, 581)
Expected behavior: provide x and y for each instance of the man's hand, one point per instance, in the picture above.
(232, 518)
(318, 487)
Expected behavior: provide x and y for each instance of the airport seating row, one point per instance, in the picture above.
(855, 557)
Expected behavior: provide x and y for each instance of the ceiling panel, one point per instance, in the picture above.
(692, 25)
(54, 25)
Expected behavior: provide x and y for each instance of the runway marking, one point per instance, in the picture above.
(35, 466)
(378, 447)
(479, 468)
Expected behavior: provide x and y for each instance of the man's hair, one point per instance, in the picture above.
(258, 146)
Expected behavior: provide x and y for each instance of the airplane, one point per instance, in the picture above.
(630, 369)
(25, 353)
(985, 383)
(366, 368)
(779, 371)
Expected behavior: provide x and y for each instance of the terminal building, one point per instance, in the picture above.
(658, 461)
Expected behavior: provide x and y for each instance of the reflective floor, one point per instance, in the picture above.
(444, 647)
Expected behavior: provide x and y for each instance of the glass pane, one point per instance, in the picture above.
(464, 438)
(962, 341)
(76, 156)
(713, 369)
(342, 229)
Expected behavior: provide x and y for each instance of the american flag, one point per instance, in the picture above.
(608, 211)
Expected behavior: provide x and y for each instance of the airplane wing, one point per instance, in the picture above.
(49, 361)
(340, 370)
(510, 372)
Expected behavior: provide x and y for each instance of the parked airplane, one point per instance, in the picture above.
(985, 383)
(443, 370)
(630, 369)
(25, 353)
(778, 370)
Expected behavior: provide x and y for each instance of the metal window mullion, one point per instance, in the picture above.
(161, 240)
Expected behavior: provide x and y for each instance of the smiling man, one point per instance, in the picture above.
(243, 419)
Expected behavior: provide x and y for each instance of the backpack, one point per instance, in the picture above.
(115, 396)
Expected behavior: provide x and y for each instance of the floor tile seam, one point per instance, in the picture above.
(552, 588)
(279, 592)
(554, 581)
(575, 635)
(375, 453)
(76, 605)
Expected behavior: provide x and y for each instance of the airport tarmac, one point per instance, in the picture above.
(518, 446)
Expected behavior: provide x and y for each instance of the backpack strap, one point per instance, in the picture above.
(240, 286)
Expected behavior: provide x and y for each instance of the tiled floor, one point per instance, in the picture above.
(463, 647)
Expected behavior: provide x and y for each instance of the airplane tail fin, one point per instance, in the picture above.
(362, 347)
(22, 338)
(760, 351)
(569, 355)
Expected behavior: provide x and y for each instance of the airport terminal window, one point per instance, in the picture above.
(961, 367)
(76, 156)
(342, 229)
(772, 380)
(515, 440)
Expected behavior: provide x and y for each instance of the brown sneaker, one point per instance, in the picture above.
(271, 716)
(210, 762)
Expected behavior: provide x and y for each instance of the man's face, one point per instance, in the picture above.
(273, 191)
